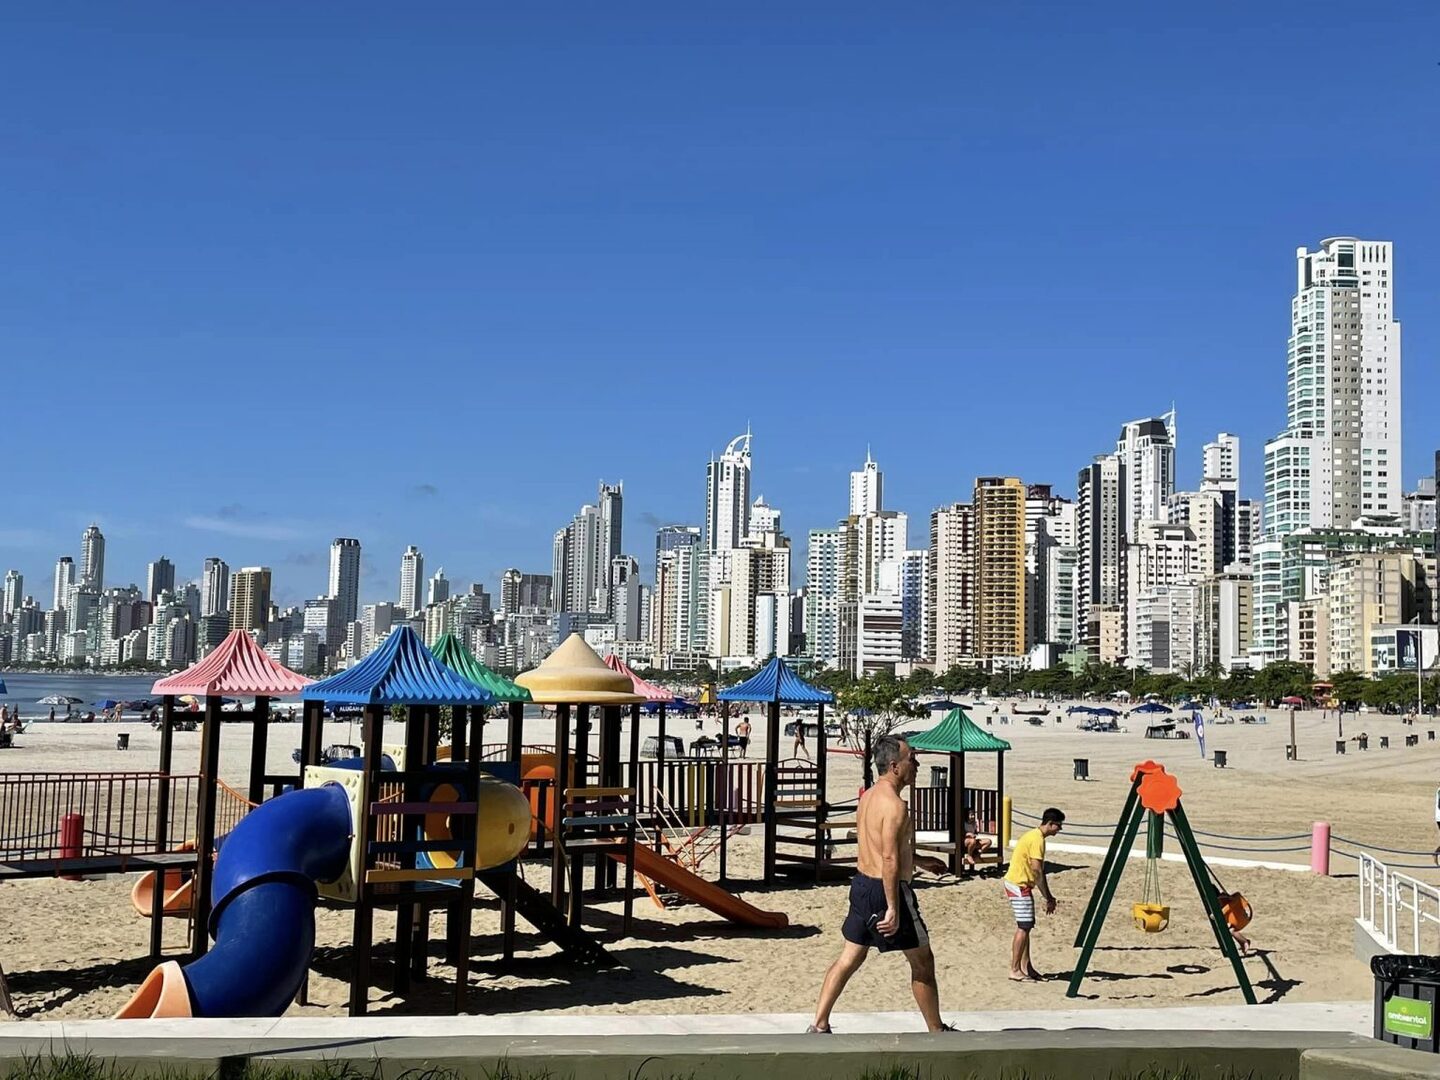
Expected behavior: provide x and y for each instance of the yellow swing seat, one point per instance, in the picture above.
(1151, 918)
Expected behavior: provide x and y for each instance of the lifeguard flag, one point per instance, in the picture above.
(1200, 732)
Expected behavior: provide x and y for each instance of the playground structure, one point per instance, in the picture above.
(1154, 795)
(947, 807)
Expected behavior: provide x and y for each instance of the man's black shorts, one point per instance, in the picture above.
(867, 906)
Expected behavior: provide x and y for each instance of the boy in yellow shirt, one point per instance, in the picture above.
(1026, 874)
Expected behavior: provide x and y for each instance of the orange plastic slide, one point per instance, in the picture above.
(661, 869)
(179, 895)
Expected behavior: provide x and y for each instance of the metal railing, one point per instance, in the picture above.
(1402, 913)
(119, 811)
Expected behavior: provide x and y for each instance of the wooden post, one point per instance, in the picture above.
(461, 913)
(363, 933)
(957, 811)
(515, 734)
(459, 730)
(999, 797)
(582, 779)
(556, 810)
(205, 826)
(822, 811)
(259, 746)
(772, 781)
(722, 787)
(162, 822)
(660, 788)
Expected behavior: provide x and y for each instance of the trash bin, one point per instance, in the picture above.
(1082, 768)
(1406, 989)
(122, 740)
(1220, 758)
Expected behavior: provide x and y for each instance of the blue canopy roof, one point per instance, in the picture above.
(400, 672)
(776, 682)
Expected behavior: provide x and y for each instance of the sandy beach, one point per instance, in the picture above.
(76, 949)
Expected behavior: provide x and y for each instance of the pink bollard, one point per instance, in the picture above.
(1320, 849)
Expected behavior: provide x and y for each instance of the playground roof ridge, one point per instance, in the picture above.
(236, 666)
(400, 672)
(450, 652)
(958, 734)
(647, 690)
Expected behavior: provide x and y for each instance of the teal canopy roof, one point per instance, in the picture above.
(957, 734)
(400, 672)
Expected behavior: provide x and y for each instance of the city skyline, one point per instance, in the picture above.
(642, 252)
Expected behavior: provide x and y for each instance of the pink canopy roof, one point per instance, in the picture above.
(237, 666)
(648, 690)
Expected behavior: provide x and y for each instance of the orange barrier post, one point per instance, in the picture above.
(72, 840)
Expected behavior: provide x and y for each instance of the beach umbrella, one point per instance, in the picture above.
(54, 699)
(108, 703)
(2, 687)
(74, 700)
(1151, 707)
(1292, 700)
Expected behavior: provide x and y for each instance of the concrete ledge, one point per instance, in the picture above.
(1378, 1061)
(1074, 1054)
(1367, 944)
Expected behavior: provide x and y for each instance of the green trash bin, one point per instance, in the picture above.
(1406, 992)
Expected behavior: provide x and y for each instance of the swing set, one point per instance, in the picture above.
(1154, 793)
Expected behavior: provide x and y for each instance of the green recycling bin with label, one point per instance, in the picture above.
(1406, 991)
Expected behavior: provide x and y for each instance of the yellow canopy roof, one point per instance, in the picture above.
(574, 674)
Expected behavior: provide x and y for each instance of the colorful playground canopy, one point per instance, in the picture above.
(400, 672)
(775, 682)
(647, 690)
(236, 666)
(574, 674)
(460, 660)
(957, 734)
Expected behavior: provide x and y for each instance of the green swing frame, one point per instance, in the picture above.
(1113, 868)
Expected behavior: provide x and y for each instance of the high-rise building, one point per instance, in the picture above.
(1417, 508)
(824, 561)
(159, 577)
(214, 587)
(412, 580)
(914, 596)
(609, 538)
(866, 488)
(1049, 523)
(670, 537)
(1146, 451)
(1222, 459)
(624, 589)
(92, 558)
(1101, 497)
(764, 518)
(1338, 459)
(727, 503)
(345, 577)
(952, 584)
(582, 552)
(999, 567)
(1161, 559)
(439, 588)
(519, 591)
(64, 582)
(14, 594)
(251, 600)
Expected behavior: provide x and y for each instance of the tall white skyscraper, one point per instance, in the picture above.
(14, 593)
(215, 587)
(1146, 449)
(92, 558)
(727, 504)
(1339, 457)
(439, 588)
(952, 585)
(824, 564)
(412, 580)
(866, 488)
(1222, 459)
(345, 578)
(64, 580)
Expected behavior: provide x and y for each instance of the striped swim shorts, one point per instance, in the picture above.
(1022, 903)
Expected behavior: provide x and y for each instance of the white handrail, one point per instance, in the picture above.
(1389, 898)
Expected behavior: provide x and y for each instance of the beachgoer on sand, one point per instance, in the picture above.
(974, 846)
(742, 730)
(1026, 874)
(800, 747)
(883, 913)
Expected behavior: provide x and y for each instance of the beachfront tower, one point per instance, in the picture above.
(345, 578)
(92, 558)
(251, 601)
(866, 488)
(14, 594)
(214, 587)
(64, 579)
(159, 577)
(412, 580)
(727, 504)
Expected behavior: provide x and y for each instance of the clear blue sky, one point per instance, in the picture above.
(426, 273)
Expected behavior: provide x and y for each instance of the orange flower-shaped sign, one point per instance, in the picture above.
(1159, 791)
(1143, 768)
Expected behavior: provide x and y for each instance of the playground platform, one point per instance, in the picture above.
(1301, 1041)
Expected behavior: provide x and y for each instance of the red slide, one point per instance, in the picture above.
(701, 891)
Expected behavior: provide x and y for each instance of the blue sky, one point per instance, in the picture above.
(426, 273)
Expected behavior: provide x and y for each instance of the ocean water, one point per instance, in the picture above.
(25, 691)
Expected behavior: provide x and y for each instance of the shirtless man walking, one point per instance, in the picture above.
(883, 911)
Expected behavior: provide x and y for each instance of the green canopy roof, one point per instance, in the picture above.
(957, 734)
(455, 656)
